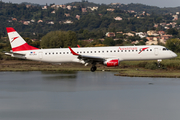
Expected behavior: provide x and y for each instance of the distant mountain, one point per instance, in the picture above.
(85, 4)
(29, 17)
(33, 4)
(139, 8)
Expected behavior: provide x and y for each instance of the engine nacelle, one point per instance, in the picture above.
(112, 62)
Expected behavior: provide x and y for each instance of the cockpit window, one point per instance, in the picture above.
(164, 49)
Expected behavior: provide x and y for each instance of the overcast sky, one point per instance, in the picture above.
(159, 3)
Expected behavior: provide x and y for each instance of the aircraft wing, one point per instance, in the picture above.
(88, 58)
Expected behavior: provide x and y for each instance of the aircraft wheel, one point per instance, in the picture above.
(93, 68)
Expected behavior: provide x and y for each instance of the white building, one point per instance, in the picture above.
(44, 8)
(141, 34)
(68, 22)
(69, 7)
(118, 18)
(93, 8)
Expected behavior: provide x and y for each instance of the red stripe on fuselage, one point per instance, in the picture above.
(10, 29)
(24, 47)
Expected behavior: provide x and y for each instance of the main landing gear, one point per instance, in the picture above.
(93, 68)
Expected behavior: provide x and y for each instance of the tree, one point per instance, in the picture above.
(71, 39)
(172, 31)
(109, 42)
(56, 39)
(173, 44)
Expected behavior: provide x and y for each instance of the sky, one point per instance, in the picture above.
(159, 3)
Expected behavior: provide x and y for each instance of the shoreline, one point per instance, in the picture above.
(129, 71)
(150, 73)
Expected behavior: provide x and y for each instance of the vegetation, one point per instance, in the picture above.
(99, 20)
(173, 44)
(57, 39)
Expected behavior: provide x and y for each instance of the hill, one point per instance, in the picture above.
(33, 19)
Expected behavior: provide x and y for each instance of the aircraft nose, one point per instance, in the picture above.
(173, 54)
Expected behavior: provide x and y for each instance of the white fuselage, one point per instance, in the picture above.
(123, 53)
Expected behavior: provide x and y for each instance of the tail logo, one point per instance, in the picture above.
(14, 39)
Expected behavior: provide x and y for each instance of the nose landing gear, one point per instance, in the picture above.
(159, 62)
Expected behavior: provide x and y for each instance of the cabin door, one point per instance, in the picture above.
(156, 51)
(40, 55)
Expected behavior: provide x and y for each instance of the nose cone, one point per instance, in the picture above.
(173, 54)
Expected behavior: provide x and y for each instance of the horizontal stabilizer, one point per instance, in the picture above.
(18, 55)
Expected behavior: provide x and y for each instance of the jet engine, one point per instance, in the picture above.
(112, 62)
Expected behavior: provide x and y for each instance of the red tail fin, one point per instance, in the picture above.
(17, 42)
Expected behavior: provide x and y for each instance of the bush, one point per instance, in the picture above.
(152, 66)
(142, 64)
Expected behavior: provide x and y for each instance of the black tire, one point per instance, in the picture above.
(93, 68)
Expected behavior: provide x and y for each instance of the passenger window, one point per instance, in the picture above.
(129, 50)
(114, 50)
(121, 50)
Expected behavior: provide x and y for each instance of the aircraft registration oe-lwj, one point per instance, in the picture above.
(109, 56)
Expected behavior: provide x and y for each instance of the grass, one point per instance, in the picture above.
(149, 73)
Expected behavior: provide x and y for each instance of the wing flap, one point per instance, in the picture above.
(91, 58)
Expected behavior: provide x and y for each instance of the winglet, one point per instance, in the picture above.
(72, 51)
(78, 46)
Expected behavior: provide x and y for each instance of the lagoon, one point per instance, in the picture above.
(85, 95)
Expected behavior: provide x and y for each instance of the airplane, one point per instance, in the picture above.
(109, 56)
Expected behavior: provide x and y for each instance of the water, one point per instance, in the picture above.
(87, 96)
